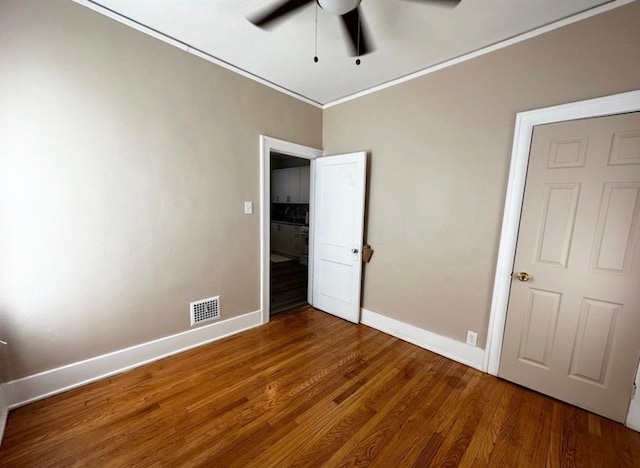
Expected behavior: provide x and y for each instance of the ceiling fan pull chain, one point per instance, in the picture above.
(358, 43)
(315, 57)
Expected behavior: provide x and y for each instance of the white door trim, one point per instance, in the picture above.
(525, 121)
(268, 144)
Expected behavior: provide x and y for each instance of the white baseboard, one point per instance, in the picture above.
(38, 386)
(4, 412)
(447, 347)
(633, 416)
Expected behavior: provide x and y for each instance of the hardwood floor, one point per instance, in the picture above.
(310, 390)
(289, 285)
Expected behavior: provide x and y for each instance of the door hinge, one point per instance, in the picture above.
(634, 387)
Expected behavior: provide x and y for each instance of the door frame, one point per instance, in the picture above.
(268, 144)
(525, 121)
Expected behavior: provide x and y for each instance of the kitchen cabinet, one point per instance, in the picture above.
(288, 239)
(296, 242)
(305, 178)
(290, 185)
(280, 234)
(279, 186)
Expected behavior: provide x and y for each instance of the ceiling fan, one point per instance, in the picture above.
(349, 12)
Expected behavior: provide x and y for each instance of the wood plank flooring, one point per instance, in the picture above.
(310, 390)
(289, 285)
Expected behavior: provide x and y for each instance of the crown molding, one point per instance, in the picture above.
(485, 50)
(190, 49)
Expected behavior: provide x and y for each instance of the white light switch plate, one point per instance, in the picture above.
(248, 207)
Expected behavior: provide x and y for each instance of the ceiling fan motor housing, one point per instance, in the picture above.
(338, 7)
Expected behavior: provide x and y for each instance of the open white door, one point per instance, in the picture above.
(337, 231)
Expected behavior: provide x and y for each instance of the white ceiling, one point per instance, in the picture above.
(409, 36)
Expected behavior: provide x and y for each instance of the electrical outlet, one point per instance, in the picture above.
(472, 338)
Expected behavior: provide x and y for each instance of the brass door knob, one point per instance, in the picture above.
(523, 276)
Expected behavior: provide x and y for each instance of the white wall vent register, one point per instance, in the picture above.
(205, 310)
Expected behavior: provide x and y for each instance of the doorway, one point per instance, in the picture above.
(289, 254)
(335, 218)
(287, 257)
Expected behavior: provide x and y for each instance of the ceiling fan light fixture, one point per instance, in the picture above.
(338, 7)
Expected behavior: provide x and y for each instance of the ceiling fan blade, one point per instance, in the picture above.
(265, 18)
(441, 3)
(354, 23)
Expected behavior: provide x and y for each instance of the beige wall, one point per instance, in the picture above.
(440, 148)
(124, 164)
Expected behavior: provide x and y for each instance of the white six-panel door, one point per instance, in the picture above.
(574, 313)
(338, 224)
